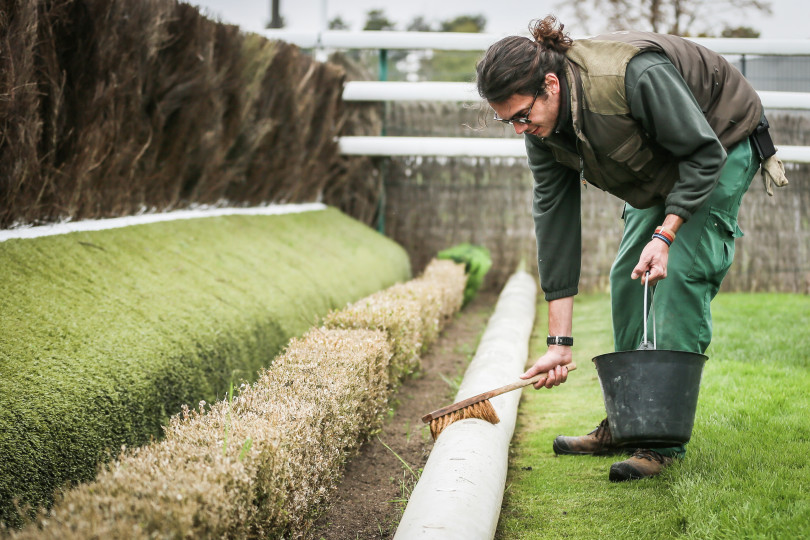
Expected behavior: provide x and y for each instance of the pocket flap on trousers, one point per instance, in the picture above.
(725, 223)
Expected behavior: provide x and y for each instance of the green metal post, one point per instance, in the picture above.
(383, 64)
(384, 164)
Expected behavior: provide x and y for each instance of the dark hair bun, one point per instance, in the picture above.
(549, 33)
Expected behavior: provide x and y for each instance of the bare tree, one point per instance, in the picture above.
(680, 17)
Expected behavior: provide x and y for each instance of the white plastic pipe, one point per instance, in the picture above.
(461, 41)
(785, 100)
(453, 41)
(765, 47)
(459, 494)
(466, 92)
(477, 147)
(410, 91)
(793, 154)
(432, 146)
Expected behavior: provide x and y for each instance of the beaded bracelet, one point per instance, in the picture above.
(663, 238)
(666, 232)
(665, 235)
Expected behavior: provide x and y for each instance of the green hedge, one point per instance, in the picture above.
(477, 262)
(107, 334)
(262, 463)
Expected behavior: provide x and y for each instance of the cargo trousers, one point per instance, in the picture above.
(699, 259)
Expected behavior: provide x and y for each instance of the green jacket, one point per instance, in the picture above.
(632, 125)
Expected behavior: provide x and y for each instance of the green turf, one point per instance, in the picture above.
(106, 334)
(746, 473)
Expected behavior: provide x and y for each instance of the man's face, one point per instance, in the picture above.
(542, 112)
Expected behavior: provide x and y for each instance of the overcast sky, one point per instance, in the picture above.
(790, 18)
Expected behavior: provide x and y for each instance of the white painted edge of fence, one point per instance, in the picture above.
(793, 154)
(459, 494)
(478, 147)
(432, 146)
(466, 92)
(410, 91)
(464, 41)
(142, 219)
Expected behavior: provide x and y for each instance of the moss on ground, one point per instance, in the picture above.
(107, 334)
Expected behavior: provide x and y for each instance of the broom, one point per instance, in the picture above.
(477, 406)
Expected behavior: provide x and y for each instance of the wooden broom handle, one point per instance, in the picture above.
(490, 394)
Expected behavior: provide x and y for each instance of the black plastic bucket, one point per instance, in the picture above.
(650, 395)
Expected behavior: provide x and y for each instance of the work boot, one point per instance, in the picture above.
(598, 442)
(642, 464)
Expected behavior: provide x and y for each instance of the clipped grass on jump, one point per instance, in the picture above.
(411, 314)
(746, 471)
(248, 466)
(107, 334)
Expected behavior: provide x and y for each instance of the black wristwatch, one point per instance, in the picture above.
(568, 341)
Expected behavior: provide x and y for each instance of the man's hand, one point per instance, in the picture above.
(655, 255)
(553, 362)
(653, 259)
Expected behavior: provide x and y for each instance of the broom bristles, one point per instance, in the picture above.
(483, 410)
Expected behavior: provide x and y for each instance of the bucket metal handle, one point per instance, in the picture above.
(646, 345)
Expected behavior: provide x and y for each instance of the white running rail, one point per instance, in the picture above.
(477, 147)
(466, 92)
(460, 41)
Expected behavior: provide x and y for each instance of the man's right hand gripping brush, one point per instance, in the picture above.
(546, 372)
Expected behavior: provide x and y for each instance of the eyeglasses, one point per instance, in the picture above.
(519, 119)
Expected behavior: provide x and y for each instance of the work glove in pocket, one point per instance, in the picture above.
(773, 174)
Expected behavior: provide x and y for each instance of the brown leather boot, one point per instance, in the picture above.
(598, 442)
(642, 464)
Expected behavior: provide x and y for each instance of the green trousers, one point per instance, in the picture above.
(698, 261)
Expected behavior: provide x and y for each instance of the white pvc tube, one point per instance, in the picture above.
(342, 39)
(459, 494)
(767, 47)
(785, 100)
(466, 92)
(432, 146)
(411, 91)
(461, 41)
(478, 147)
(793, 154)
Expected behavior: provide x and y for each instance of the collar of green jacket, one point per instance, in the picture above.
(612, 151)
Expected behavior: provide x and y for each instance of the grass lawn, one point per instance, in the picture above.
(746, 473)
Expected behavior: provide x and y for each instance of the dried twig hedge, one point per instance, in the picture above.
(262, 463)
(108, 107)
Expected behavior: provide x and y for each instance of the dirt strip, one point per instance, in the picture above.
(372, 496)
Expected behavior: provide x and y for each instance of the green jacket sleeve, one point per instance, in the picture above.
(662, 103)
(556, 212)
